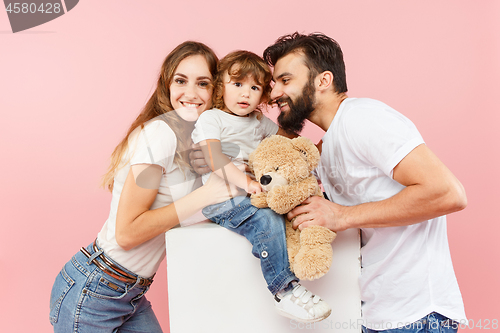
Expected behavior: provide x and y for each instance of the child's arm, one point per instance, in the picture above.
(224, 168)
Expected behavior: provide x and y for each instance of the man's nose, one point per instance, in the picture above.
(276, 92)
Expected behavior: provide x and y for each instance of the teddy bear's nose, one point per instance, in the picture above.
(266, 179)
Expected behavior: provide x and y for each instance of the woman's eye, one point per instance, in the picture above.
(180, 81)
(204, 84)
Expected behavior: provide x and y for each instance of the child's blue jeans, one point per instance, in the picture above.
(265, 229)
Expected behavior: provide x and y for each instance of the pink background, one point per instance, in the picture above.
(71, 87)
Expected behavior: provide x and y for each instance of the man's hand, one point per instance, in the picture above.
(318, 211)
(431, 190)
(197, 160)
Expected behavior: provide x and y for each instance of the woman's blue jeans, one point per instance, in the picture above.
(432, 323)
(265, 229)
(85, 299)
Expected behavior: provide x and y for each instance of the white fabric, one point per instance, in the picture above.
(406, 271)
(239, 136)
(155, 144)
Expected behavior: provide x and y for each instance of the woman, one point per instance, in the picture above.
(101, 289)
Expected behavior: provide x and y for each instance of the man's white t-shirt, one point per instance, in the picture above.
(407, 271)
(154, 144)
(239, 136)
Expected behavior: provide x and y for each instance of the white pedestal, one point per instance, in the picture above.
(215, 285)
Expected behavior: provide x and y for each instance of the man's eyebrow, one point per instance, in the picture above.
(282, 75)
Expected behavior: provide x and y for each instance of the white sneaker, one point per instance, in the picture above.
(301, 305)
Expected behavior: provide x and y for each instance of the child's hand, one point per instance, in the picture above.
(254, 187)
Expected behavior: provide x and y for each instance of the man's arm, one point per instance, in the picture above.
(431, 191)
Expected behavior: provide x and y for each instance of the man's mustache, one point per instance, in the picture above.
(280, 100)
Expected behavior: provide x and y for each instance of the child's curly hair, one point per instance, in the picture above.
(238, 65)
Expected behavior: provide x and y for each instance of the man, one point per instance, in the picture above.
(380, 177)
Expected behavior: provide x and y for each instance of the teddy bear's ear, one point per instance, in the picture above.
(308, 150)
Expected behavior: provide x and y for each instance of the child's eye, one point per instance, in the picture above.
(237, 84)
(255, 88)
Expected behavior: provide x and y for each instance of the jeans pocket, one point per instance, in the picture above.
(106, 289)
(60, 289)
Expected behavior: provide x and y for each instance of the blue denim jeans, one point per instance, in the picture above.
(265, 230)
(432, 323)
(85, 299)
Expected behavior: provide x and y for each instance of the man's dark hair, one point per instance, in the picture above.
(322, 53)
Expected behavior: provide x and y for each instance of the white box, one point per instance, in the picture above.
(215, 285)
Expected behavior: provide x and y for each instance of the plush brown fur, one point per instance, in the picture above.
(283, 166)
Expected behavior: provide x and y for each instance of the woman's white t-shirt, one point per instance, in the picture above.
(154, 144)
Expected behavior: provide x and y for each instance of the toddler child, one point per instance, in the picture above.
(227, 134)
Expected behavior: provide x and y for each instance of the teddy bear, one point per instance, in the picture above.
(283, 168)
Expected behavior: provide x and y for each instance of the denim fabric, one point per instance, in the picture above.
(432, 323)
(85, 299)
(266, 232)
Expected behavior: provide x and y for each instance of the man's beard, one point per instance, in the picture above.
(294, 119)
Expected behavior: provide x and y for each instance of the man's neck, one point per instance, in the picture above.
(326, 109)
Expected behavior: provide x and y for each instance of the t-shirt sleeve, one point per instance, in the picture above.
(381, 136)
(154, 144)
(208, 126)
(268, 127)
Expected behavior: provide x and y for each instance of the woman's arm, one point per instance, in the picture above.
(222, 166)
(136, 223)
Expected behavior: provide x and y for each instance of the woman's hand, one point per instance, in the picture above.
(197, 160)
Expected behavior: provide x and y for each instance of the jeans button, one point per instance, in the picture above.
(264, 254)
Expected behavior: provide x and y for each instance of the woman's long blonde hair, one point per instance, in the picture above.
(159, 105)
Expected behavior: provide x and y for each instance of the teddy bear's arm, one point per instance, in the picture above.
(259, 200)
(284, 198)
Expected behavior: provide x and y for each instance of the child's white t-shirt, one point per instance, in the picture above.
(239, 136)
(155, 144)
(407, 271)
